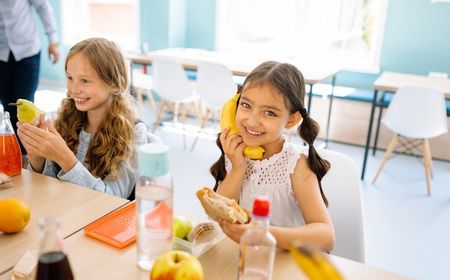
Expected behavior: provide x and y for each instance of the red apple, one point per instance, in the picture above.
(176, 265)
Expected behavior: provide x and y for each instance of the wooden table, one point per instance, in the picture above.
(76, 207)
(314, 70)
(391, 82)
(92, 259)
(239, 64)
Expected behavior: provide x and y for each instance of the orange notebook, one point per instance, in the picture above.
(117, 228)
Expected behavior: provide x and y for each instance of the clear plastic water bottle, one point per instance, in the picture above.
(154, 204)
(257, 245)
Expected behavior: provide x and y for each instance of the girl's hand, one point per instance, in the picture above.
(36, 161)
(233, 231)
(233, 147)
(47, 144)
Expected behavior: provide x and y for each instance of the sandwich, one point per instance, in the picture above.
(220, 207)
(202, 232)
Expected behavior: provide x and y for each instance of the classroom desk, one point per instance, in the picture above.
(391, 82)
(313, 70)
(92, 259)
(75, 206)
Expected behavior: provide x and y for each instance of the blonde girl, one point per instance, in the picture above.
(94, 138)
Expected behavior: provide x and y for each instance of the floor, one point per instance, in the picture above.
(405, 231)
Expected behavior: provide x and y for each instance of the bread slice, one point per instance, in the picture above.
(220, 207)
(202, 232)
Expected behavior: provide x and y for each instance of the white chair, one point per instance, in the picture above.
(416, 112)
(152, 138)
(342, 189)
(172, 85)
(142, 86)
(215, 86)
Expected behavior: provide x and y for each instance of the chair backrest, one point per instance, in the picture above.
(342, 189)
(170, 81)
(142, 80)
(152, 138)
(417, 112)
(215, 83)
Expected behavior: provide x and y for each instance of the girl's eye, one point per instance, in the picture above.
(270, 114)
(69, 78)
(245, 105)
(84, 81)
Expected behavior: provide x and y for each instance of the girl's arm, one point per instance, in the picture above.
(318, 228)
(121, 186)
(233, 147)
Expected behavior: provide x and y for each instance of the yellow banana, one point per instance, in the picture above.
(314, 264)
(307, 264)
(227, 119)
(27, 112)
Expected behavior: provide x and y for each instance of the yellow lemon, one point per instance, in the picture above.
(14, 215)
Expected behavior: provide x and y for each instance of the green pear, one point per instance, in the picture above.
(27, 112)
(181, 227)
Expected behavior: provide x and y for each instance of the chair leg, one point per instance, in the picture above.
(183, 120)
(377, 131)
(158, 117)
(427, 162)
(430, 158)
(203, 121)
(198, 109)
(152, 100)
(139, 101)
(388, 153)
(176, 109)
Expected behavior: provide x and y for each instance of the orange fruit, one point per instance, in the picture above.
(14, 215)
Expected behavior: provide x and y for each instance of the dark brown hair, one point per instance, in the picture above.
(289, 82)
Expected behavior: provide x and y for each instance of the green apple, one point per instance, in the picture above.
(176, 265)
(181, 227)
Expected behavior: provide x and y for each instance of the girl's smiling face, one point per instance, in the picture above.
(85, 86)
(261, 116)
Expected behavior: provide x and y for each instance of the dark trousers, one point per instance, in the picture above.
(18, 79)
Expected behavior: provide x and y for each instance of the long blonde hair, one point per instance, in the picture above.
(113, 141)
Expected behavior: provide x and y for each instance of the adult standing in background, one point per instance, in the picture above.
(20, 49)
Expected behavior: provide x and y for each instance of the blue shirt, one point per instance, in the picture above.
(18, 29)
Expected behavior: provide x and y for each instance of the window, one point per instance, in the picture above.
(117, 20)
(349, 32)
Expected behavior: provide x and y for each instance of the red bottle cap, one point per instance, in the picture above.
(261, 206)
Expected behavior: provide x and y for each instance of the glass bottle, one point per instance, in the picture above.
(10, 154)
(154, 204)
(53, 262)
(257, 245)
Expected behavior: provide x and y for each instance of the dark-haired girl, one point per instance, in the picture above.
(272, 99)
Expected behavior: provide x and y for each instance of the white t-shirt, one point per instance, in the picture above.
(271, 178)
